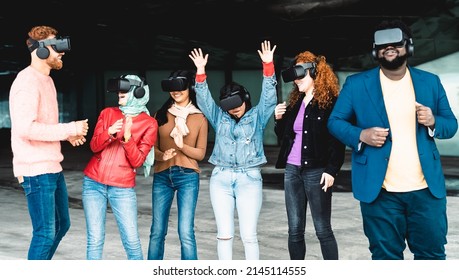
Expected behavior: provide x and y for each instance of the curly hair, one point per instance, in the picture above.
(38, 33)
(326, 84)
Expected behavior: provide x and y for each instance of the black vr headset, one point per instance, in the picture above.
(123, 85)
(174, 84)
(232, 96)
(59, 45)
(391, 37)
(178, 80)
(299, 72)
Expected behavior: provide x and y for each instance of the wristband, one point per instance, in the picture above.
(268, 69)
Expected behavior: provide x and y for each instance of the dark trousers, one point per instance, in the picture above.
(302, 187)
(415, 218)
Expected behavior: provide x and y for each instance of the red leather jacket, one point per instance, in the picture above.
(114, 161)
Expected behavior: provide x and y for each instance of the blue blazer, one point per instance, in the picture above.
(360, 105)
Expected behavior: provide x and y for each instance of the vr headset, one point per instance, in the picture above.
(298, 71)
(58, 44)
(232, 96)
(389, 37)
(232, 101)
(119, 85)
(174, 84)
(124, 85)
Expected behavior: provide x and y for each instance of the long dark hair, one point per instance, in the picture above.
(161, 114)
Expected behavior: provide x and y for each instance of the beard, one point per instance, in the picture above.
(55, 63)
(394, 64)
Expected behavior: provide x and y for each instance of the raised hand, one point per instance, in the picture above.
(266, 53)
(199, 59)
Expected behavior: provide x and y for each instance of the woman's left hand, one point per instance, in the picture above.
(327, 180)
(127, 128)
(266, 53)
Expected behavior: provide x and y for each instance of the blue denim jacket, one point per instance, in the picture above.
(238, 145)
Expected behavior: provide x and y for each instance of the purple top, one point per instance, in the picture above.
(295, 154)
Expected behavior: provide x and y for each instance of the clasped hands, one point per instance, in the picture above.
(82, 128)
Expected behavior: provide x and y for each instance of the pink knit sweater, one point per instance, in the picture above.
(35, 129)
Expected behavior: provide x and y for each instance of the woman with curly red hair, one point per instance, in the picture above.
(311, 156)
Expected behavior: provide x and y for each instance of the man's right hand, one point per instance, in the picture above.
(374, 136)
(82, 127)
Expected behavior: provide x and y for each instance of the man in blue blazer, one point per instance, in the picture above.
(389, 117)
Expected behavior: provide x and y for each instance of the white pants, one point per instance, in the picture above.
(240, 188)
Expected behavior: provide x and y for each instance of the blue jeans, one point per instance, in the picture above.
(48, 204)
(123, 202)
(415, 218)
(240, 188)
(185, 182)
(302, 186)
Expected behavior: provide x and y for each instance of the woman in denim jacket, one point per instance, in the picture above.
(238, 152)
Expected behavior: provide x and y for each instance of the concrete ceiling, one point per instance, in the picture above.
(160, 34)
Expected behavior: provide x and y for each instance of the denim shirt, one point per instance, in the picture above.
(238, 145)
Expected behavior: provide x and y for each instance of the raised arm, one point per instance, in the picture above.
(268, 98)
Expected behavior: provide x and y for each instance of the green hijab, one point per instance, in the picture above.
(135, 106)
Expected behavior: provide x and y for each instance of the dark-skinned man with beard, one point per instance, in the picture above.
(390, 117)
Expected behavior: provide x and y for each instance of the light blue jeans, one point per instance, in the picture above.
(240, 188)
(185, 182)
(48, 204)
(123, 202)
